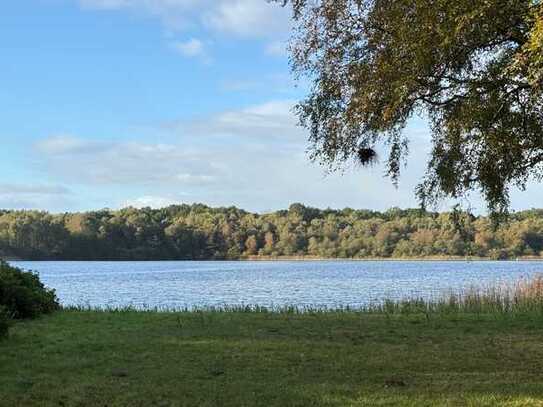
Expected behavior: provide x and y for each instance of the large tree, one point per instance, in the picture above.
(473, 68)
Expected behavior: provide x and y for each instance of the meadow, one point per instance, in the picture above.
(478, 348)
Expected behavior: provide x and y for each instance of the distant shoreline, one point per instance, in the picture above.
(300, 233)
(429, 258)
(297, 258)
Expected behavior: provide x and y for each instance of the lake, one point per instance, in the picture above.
(166, 284)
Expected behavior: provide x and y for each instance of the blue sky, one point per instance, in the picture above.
(109, 103)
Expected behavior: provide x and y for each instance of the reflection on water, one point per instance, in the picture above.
(324, 283)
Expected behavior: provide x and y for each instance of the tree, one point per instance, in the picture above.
(473, 68)
(269, 243)
(251, 244)
(197, 233)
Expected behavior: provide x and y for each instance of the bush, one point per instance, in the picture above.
(23, 295)
(5, 322)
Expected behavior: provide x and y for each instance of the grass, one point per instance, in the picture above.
(479, 349)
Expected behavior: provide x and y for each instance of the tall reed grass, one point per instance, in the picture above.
(522, 297)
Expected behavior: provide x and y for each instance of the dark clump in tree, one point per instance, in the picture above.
(367, 156)
(473, 68)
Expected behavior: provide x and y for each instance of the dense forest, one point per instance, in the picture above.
(200, 232)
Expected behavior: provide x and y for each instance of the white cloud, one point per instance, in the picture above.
(155, 202)
(62, 144)
(247, 18)
(17, 189)
(192, 48)
(19, 196)
(268, 117)
(174, 14)
(253, 157)
(192, 179)
(106, 4)
(125, 163)
(263, 123)
(215, 18)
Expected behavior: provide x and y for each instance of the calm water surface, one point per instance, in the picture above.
(324, 283)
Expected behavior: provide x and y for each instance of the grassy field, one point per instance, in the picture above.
(90, 358)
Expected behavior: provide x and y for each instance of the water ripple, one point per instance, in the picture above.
(327, 284)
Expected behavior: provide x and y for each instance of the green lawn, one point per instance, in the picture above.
(78, 358)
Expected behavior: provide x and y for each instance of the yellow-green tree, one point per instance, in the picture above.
(472, 67)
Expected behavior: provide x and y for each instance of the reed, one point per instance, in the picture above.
(523, 297)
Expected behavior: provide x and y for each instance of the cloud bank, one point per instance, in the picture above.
(23, 196)
(254, 157)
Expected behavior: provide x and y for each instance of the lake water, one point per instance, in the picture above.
(271, 284)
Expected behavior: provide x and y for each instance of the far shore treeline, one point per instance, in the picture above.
(198, 232)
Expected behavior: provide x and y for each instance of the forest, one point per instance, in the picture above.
(198, 232)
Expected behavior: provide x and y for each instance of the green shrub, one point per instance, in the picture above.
(23, 295)
(5, 321)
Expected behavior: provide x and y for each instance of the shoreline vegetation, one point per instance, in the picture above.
(199, 232)
(480, 347)
(392, 259)
(312, 258)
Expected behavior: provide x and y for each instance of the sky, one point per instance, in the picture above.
(115, 103)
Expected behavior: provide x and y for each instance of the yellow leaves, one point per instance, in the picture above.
(535, 42)
(534, 50)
